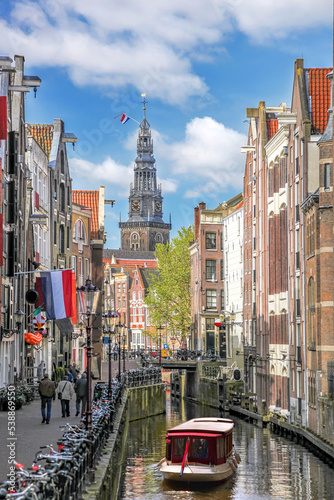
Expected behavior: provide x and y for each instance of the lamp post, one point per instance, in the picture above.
(119, 326)
(90, 296)
(107, 320)
(160, 328)
(124, 338)
(7, 332)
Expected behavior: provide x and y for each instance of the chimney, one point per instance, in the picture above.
(197, 214)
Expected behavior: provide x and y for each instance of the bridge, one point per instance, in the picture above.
(175, 364)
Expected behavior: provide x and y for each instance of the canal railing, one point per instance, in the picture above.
(64, 469)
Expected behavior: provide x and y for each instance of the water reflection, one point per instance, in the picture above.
(271, 466)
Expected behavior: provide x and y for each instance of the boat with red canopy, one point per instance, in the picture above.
(200, 450)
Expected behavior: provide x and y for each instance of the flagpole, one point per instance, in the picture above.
(44, 271)
(127, 116)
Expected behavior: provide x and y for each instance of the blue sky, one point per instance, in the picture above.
(201, 63)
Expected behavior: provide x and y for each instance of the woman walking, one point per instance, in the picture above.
(65, 392)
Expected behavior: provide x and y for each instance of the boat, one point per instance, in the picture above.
(200, 450)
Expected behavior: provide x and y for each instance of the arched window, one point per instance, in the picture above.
(62, 197)
(62, 162)
(80, 234)
(134, 241)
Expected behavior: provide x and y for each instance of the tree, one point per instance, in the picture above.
(168, 296)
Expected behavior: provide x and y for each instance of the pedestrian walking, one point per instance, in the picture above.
(81, 392)
(69, 376)
(40, 369)
(65, 392)
(47, 391)
(75, 372)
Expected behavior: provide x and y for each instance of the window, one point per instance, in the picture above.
(61, 239)
(211, 270)
(211, 299)
(179, 447)
(79, 234)
(55, 232)
(211, 241)
(133, 295)
(199, 448)
(81, 275)
(74, 264)
(87, 273)
(139, 295)
(68, 237)
(62, 162)
(222, 270)
(62, 198)
(311, 314)
(327, 180)
(210, 324)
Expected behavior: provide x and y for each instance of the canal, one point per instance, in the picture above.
(272, 467)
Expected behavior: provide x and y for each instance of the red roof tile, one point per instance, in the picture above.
(89, 199)
(132, 263)
(320, 94)
(272, 127)
(43, 135)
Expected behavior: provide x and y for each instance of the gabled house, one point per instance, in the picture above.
(94, 201)
(14, 255)
(53, 139)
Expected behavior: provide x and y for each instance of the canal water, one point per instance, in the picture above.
(271, 467)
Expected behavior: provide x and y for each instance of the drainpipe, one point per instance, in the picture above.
(302, 265)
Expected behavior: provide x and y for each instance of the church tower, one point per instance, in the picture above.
(145, 226)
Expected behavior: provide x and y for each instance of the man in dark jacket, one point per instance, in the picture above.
(75, 372)
(47, 391)
(81, 392)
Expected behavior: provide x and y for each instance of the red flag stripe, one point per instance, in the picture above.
(3, 118)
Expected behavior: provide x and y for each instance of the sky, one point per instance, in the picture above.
(201, 63)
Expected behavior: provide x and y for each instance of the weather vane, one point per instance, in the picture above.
(144, 102)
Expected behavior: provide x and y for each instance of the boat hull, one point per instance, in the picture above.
(198, 473)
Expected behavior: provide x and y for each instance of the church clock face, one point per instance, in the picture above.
(135, 205)
(157, 206)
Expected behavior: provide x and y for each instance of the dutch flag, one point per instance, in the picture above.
(124, 118)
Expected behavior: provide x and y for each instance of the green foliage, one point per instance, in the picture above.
(168, 296)
(57, 376)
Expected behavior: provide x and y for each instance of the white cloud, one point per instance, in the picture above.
(265, 20)
(150, 45)
(168, 185)
(113, 175)
(208, 159)
(109, 172)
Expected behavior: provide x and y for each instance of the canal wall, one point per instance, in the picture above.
(137, 403)
(146, 401)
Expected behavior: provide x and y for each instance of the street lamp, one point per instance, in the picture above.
(119, 326)
(124, 338)
(160, 328)
(89, 295)
(107, 321)
(18, 316)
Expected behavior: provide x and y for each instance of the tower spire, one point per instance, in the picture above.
(144, 102)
